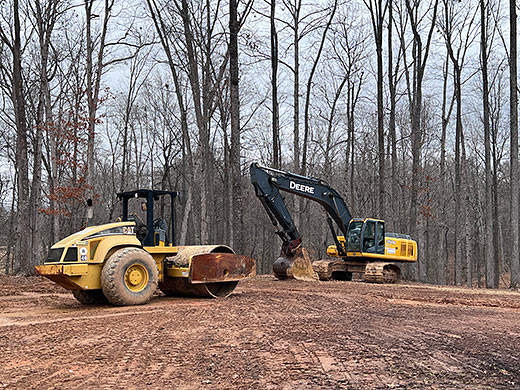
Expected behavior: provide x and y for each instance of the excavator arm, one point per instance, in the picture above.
(268, 182)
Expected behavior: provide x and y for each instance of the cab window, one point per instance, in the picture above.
(369, 237)
(354, 236)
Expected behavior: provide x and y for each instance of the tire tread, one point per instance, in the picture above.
(113, 284)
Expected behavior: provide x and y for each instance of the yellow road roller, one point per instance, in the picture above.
(124, 262)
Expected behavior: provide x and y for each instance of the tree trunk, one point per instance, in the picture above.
(309, 87)
(274, 89)
(94, 72)
(238, 231)
(44, 25)
(296, 116)
(377, 14)
(459, 200)
(514, 174)
(446, 114)
(489, 239)
(392, 86)
(420, 57)
(21, 253)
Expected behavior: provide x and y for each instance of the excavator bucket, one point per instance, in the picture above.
(298, 266)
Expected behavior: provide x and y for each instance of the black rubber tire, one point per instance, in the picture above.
(90, 297)
(113, 277)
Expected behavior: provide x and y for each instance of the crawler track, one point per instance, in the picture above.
(380, 272)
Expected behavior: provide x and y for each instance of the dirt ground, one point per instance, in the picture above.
(268, 335)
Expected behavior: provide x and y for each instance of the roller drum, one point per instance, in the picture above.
(214, 271)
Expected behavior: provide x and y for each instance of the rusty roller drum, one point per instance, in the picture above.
(214, 271)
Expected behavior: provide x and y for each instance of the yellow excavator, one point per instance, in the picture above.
(364, 247)
(124, 262)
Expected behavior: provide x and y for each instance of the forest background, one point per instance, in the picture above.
(408, 108)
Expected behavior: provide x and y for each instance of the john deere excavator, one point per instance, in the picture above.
(124, 262)
(363, 247)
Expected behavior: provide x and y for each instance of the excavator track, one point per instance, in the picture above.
(331, 270)
(381, 272)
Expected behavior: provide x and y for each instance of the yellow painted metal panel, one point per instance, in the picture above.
(75, 269)
(178, 272)
(73, 276)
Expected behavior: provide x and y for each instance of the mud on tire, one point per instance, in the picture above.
(90, 297)
(129, 277)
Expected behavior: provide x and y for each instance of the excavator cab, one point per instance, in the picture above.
(373, 236)
(363, 236)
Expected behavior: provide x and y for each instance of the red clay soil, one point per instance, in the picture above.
(268, 335)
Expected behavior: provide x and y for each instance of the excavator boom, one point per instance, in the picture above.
(268, 182)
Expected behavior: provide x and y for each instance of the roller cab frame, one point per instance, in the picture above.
(124, 261)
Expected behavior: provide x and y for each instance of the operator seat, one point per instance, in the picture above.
(160, 227)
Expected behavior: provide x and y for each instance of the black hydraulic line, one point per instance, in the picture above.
(339, 247)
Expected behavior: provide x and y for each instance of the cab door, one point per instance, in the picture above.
(380, 237)
(368, 237)
(373, 237)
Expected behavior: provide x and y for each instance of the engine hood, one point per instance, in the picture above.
(116, 228)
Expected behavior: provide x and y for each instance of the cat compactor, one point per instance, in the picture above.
(363, 248)
(124, 262)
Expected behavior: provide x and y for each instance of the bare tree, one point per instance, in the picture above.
(393, 79)
(95, 64)
(309, 86)
(488, 207)
(187, 160)
(300, 25)
(44, 20)
(12, 38)
(377, 14)
(234, 27)
(459, 31)
(274, 87)
(513, 124)
(138, 75)
(420, 54)
(350, 50)
(446, 111)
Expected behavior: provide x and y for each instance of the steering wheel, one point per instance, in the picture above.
(138, 220)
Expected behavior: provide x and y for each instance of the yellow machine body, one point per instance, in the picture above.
(76, 262)
(375, 267)
(396, 250)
